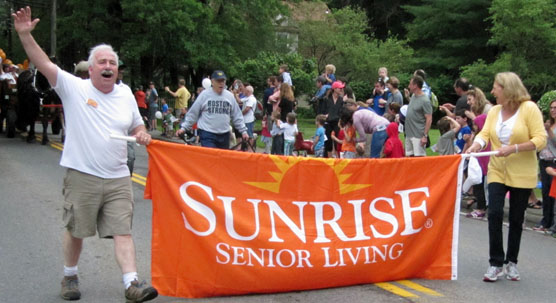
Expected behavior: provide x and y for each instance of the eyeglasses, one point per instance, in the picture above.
(552, 107)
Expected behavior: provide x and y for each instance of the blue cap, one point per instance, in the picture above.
(217, 75)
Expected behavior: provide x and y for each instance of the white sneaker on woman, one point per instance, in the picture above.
(493, 273)
(511, 272)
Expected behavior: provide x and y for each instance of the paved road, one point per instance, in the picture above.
(31, 262)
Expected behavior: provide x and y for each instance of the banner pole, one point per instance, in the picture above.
(125, 138)
(481, 154)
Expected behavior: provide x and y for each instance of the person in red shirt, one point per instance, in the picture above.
(552, 172)
(140, 97)
(393, 147)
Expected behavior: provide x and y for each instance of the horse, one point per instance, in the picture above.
(8, 101)
(51, 108)
(28, 105)
(38, 101)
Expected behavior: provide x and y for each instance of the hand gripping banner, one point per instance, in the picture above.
(229, 223)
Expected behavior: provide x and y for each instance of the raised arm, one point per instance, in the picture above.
(166, 88)
(24, 25)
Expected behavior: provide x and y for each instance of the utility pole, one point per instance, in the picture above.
(9, 28)
(53, 30)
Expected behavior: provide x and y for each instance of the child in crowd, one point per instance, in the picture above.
(266, 137)
(169, 119)
(463, 138)
(448, 128)
(383, 75)
(329, 71)
(339, 139)
(277, 147)
(394, 110)
(164, 107)
(393, 146)
(348, 141)
(320, 137)
(290, 131)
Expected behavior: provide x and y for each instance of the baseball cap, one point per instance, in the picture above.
(217, 75)
(338, 84)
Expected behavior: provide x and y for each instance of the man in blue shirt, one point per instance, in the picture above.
(379, 99)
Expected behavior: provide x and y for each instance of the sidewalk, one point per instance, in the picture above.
(532, 216)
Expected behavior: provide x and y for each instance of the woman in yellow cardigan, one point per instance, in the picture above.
(515, 129)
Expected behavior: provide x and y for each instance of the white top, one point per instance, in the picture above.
(276, 130)
(290, 130)
(91, 116)
(287, 78)
(503, 129)
(251, 102)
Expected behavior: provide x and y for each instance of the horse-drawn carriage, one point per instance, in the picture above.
(31, 100)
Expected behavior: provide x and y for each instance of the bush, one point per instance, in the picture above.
(305, 112)
(544, 102)
(361, 89)
(256, 70)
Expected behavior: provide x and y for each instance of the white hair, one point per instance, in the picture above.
(249, 88)
(82, 66)
(101, 47)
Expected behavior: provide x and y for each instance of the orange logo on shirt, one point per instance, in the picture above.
(92, 103)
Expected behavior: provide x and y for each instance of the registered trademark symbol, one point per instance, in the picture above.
(428, 223)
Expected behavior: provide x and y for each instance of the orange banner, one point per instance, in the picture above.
(228, 223)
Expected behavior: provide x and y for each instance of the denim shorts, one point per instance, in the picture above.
(214, 140)
(250, 128)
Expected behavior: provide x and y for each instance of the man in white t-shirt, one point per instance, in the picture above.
(248, 110)
(97, 186)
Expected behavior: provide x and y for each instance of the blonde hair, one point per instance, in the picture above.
(330, 68)
(286, 92)
(350, 101)
(320, 119)
(276, 114)
(480, 100)
(513, 89)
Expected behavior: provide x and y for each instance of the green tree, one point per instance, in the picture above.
(256, 70)
(80, 26)
(341, 40)
(169, 39)
(526, 34)
(449, 34)
(190, 38)
(386, 18)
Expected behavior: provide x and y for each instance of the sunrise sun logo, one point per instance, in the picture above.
(285, 164)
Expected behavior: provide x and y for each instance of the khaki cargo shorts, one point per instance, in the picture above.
(413, 147)
(93, 203)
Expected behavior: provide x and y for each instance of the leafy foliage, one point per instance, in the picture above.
(527, 36)
(385, 17)
(545, 100)
(341, 40)
(163, 40)
(258, 69)
(449, 34)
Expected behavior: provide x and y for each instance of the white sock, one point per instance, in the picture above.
(70, 271)
(128, 278)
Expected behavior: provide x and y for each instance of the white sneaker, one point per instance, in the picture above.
(511, 272)
(493, 273)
